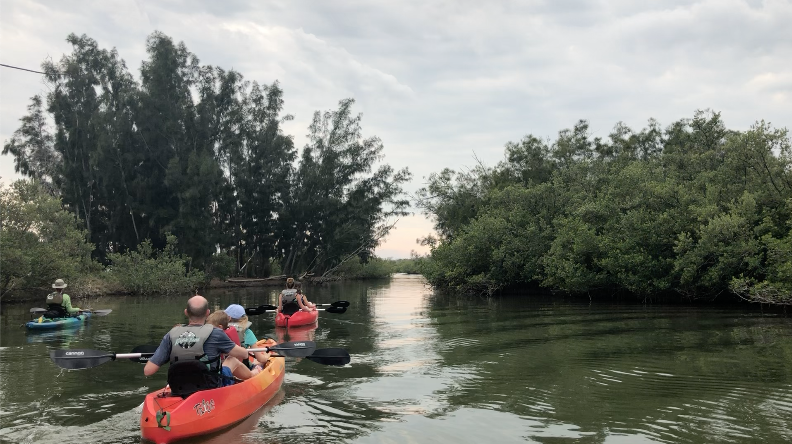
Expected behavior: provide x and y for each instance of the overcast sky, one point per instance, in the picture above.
(442, 81)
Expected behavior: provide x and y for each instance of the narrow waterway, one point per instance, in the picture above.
(432, 369)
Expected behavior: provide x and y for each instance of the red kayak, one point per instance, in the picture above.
(297, 319)
(167, 418)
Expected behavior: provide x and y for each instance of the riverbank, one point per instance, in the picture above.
(33, 294)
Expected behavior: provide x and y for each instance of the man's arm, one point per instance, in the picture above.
(161, 356)
(150, 368)
(68, 306)
(238, 352)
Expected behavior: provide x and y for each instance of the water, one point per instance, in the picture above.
(431, 369)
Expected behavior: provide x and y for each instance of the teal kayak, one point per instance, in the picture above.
(43, 323)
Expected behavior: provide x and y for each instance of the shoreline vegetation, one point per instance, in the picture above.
(693, 212)
(162, 182)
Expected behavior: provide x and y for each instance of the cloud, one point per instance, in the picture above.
(439, 81)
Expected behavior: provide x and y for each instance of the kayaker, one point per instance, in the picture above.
(288, 301)
(198, 349)
(306, 302)
(239, 320)
(59, 303)
(220, 319)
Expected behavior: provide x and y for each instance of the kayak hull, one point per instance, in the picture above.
(43, 323)
(208, 411)
(297, 319)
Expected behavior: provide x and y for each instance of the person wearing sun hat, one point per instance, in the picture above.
(59, 303)
(239, 320)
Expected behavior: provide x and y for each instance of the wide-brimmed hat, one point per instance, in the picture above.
(59, 284)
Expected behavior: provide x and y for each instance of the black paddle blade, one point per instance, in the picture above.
(338, 310)
(330, 356)
(261, 309)
(296, 349)
(147, 349)
(343, 304)
(252, 311)
(80, 358)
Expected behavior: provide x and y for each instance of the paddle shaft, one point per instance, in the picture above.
(141, 355)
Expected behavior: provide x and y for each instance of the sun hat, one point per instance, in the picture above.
(59, 284)
(236, 311)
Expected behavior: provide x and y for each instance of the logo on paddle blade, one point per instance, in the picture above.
(204, 407)
(187, 340)
(75, 353)
(299, 344)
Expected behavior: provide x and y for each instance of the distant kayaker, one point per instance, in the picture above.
(289, 302)
(195, 348)
(59, 303)
(306, 302)
(239, 320)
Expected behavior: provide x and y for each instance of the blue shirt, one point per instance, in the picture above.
(217, 343)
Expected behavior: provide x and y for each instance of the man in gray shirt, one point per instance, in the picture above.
(196, 334)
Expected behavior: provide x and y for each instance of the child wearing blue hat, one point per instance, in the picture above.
(239, 320)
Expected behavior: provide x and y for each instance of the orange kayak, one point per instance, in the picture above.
(168, 418)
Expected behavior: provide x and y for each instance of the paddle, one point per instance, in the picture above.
(103, 312)
(82, 358)
(330, 356)
(335, 304)
(261, 309)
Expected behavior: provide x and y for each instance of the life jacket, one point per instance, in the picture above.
(232, 333)
(55, 308)
(289, 296)
(56, 297)
(240, 328)
(190, 370)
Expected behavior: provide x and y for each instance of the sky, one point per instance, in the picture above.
(444, 83)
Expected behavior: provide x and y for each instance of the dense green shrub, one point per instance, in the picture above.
(39, 241)
(146, 271)
(695, 209)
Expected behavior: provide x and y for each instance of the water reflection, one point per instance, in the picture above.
(427, 368)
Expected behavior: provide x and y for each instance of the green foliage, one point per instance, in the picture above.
(339, 203)
(374, 268)
(694, 209)
(147, 270)
(413, 265)
(40, 241)
(219, 266)
(199, 152)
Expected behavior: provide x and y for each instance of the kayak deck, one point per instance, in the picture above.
(43, 323)
(167, 418)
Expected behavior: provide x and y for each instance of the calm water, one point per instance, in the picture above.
(428, 369)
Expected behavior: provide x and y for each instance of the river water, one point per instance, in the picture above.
(436, 369)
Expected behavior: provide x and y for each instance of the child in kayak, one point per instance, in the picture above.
(239, 320)
(219, 319)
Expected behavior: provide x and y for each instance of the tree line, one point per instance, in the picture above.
(199, 153)
(693, 209)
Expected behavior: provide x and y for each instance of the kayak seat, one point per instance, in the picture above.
(188, 377)
(290, 308)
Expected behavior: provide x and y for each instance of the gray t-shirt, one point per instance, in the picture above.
(217, 343)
